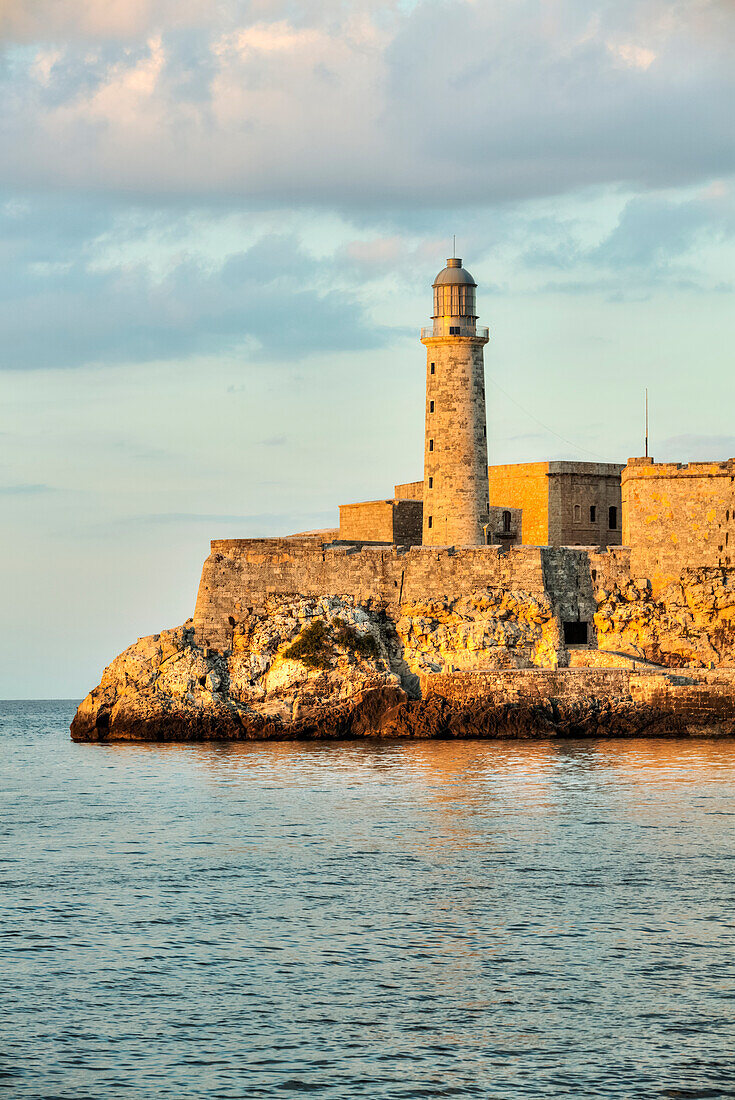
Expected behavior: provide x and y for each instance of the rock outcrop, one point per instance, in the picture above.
(691, 623)
(481, 665)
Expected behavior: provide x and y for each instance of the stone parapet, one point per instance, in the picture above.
(678, 516)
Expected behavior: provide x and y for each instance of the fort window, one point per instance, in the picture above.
(433, 369)
(593, 513)
(577, 513)
(506, 522)
(612, 519)
(431, 406)
(575, 633)
(431, 483)
(431, 521)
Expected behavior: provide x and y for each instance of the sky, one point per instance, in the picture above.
(219, 226)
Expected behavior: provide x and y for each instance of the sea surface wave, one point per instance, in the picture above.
(382, 920)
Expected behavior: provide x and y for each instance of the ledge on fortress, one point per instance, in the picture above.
(312, 544)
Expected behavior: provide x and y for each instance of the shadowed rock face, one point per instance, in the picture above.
(329, 668)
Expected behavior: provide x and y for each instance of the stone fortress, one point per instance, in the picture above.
(586, 597)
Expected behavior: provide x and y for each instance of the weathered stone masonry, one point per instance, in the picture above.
(242, 573)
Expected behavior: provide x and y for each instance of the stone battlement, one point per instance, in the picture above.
(678, 516)
(242, 573)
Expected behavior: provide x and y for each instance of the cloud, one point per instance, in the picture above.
(66, 299)
(25, 490)
(653, 230)
(365, 105)
(47, 20)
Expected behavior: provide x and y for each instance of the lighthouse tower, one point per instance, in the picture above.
(456, 496)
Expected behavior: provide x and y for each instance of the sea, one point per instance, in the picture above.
(372, 919)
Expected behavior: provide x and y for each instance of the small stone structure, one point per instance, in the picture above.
(397, 521)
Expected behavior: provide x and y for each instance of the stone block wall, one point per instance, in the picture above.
(523, 486)
(367, 521)
(391, 521)
(407, 522)
(581, 497)
(497, 533)
(409, 490)
(241, 573)
(678, 517)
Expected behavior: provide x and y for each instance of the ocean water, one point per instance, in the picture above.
(381, 920)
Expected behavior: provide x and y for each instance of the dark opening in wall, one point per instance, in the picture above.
(612, 519)
(506, 521)
(431, 521)
(431, 483)
(593, 513)
(454, 330)
(433, 369)
(431, 444)
(575, 633)
(431, 406)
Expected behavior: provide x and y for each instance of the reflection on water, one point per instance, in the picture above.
(499, 919)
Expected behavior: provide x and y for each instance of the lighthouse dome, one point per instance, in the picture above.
(454, 273)
(454, 292)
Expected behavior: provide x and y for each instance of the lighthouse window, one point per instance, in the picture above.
(433, 369)
(431, 483)
(454, 330)
(431, 444)
(431, 521)
(431, 406)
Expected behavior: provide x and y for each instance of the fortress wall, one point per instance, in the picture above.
(609, 567)
(697, 697)
(678, 517)
(573, 488)
(409, 490)
(408, 522)
(524, 485)
(241, 573)
(392, 521)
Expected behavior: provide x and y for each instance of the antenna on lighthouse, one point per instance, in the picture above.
(454, 245)
(646, 421)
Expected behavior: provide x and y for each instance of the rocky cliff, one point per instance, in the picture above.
(338, 667)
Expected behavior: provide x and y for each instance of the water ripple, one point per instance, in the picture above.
(387, 921)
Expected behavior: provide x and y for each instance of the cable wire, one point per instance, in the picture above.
(541, 424)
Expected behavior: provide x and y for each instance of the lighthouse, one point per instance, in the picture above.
(456, 495)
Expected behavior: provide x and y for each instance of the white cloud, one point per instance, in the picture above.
(369, 105)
